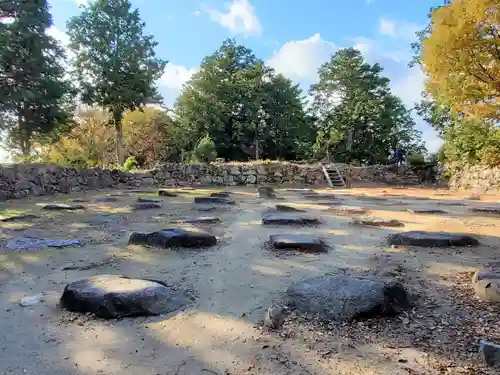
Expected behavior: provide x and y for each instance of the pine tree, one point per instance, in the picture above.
(34, 91)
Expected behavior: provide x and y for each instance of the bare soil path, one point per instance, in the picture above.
(235, 281)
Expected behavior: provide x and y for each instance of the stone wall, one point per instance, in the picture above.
(22, 180)
(476, 178)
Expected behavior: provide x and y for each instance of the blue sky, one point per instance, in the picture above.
(293, 36)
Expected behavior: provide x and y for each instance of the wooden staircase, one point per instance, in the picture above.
(333, 176)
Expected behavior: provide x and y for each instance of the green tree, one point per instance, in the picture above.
(357, 113)
(244, 106)
(34, 92)
(204, 151)
(114, 60)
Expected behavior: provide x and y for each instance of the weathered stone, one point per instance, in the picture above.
(166, 193)
(347, 210)
(485, 274)
(148, 200)
(79, 200)
(106, 199)
(298, 242)
(490, 353)
(19, 217)
(206, 208)
(488, 290)
(426, 211)
(451, 203)
(289, 220)
(376, 222)
(344, 298)
(221, 194)
(110, 296)
(317, 196)
(62, 206)
(487, 210)
(213, 200)
(195, 220)
(431, 239)
(286, 208)
(145, 206)
(28, 243)
(174, 237)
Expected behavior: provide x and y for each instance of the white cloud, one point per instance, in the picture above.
(59, 35)
(240, 18)
(300, 59)
(387, 27)
(175, 76)
(197, 12)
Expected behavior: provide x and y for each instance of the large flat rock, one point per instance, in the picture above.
(287, 208)
(427, 211)
(213, 200)
(20, 217)
(62, 207)
(347, 210)
(195, 220)
(110, 296)
(376, 222)
(289, 220)
(340, 298)
(166, 193)
(145, 206)
(297, 242)
(148, 200)
(220, 194)
(174, 237)
(316, 196)
(431, 239)
(28, 243)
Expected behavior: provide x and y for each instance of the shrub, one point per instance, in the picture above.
(130, 164)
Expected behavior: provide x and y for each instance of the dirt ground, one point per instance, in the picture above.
(234, 283)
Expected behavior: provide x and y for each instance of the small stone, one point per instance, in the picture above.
(220, 194)
(62, 206)
(490, 353)
(488, 290)
(347, 210)
(289, 220)
(106, 199)
(174, 237)
(30, 301)
(111, 296)
(297, 242)
(145, 206)
(487, 210)
(431, 239)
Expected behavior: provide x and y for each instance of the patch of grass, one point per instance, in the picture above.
(10, 212)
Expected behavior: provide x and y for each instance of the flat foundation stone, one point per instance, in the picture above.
(487, 210)
(27, 243)
(426, 211)
(110, 296)
(220, 194)
(213, 200)
(148, 200)
(286, 208)
(62, 207)
(431, 239)
(316, 196)
(289, 220)
(195, 220)
(107, 199)
(145, 206)
(174, 237)
(344, 298)
(20, 217)
(166, 193)
(347, 210)
(375, 222)
(297, 242)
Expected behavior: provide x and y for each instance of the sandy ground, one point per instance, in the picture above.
(237, 280)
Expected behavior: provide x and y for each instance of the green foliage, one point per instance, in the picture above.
(34, 93)
(130, 164)
(359, 119)
(244, 106)
(416, 159)
(115, 63)
(205, 151)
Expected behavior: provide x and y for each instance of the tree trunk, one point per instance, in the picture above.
(24, 141)
(117, 120)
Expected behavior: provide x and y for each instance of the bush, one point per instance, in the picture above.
(416, 160)
(204, 152)
(130, 164)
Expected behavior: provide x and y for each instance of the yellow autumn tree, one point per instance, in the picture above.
(461, 56)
